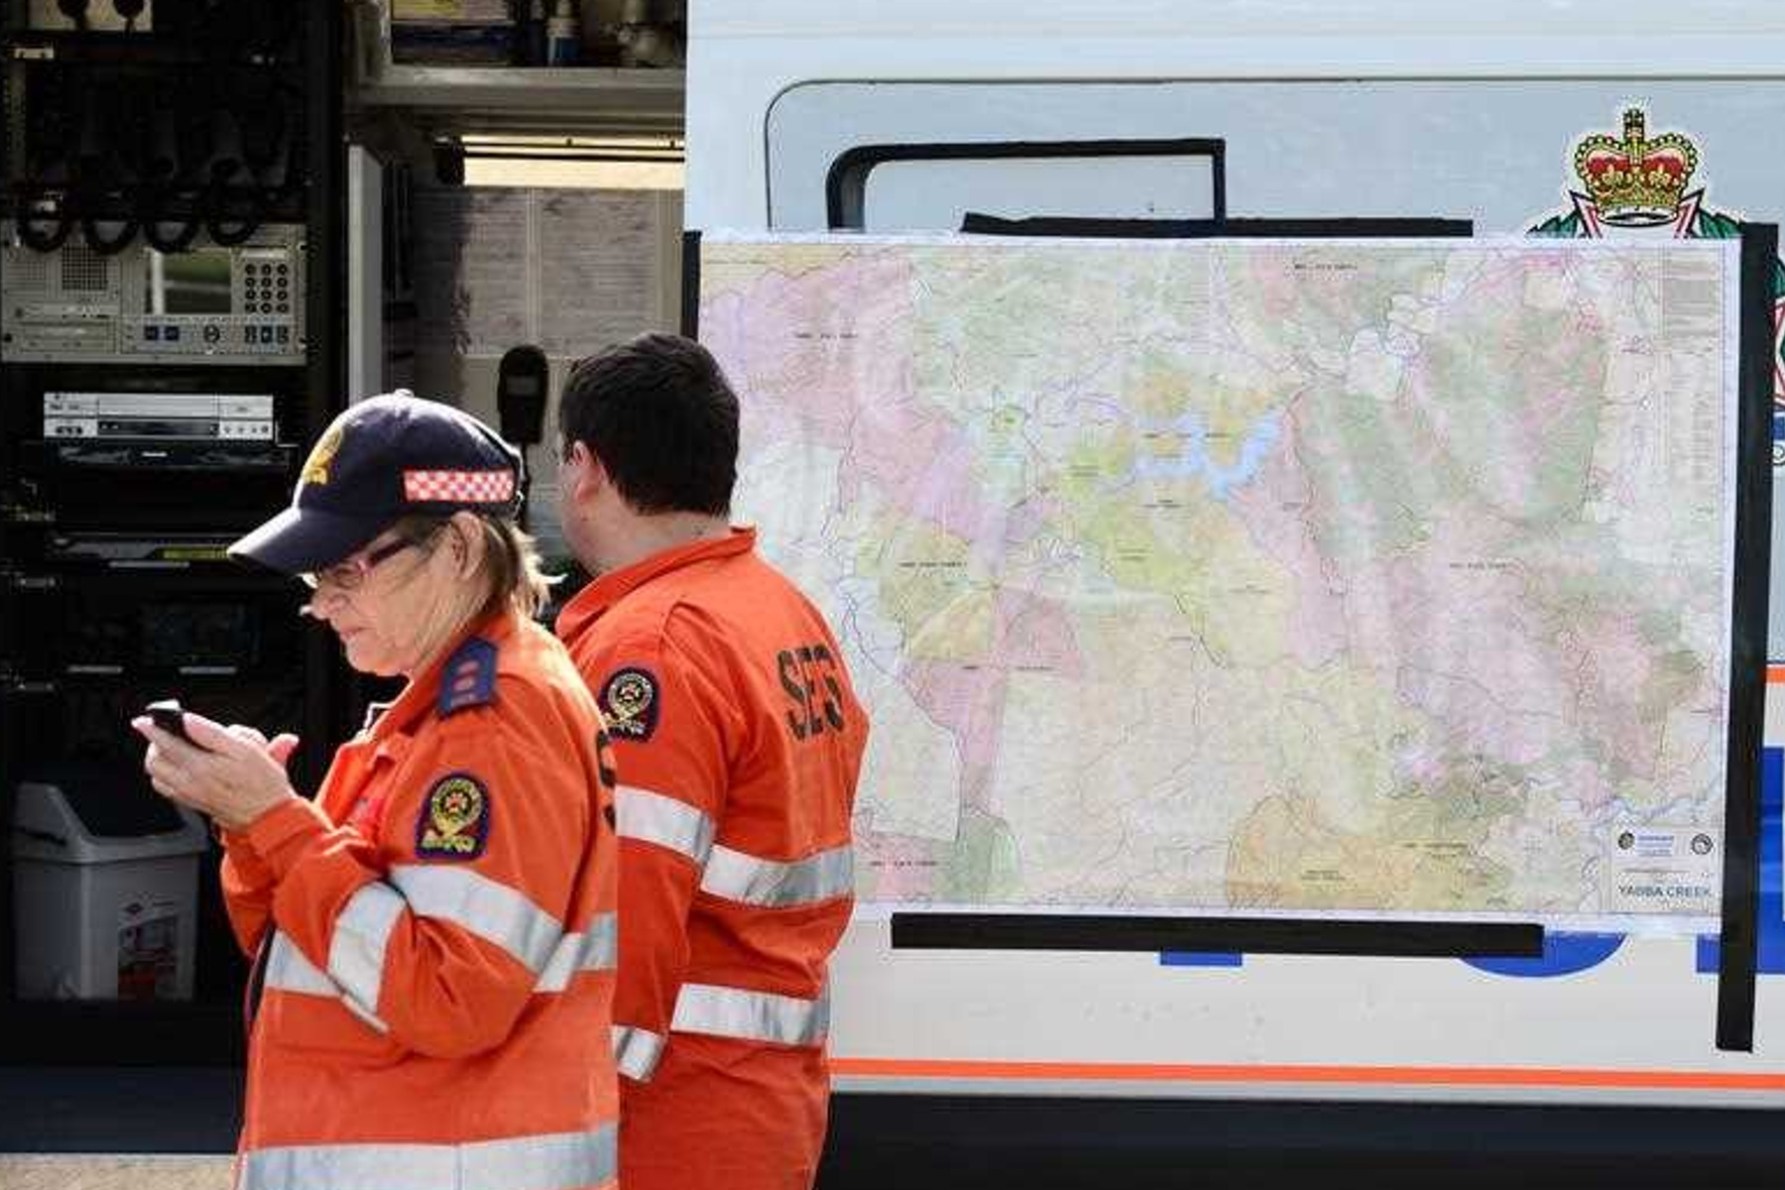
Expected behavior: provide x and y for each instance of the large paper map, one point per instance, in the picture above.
(1386, 577)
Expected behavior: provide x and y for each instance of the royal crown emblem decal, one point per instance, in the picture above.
(1643, 187)
(1637, 181)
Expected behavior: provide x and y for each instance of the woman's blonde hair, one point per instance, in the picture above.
(511, 572)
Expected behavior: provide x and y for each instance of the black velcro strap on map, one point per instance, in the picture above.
(1244, 935)
(974, 223)
(1737, 950)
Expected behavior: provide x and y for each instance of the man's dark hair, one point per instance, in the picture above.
(659, 414)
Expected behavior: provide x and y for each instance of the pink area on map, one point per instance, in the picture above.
(1452, 627)
(1584, 782)
(1280, 292)
(1009, 528)
(1034, 631)
(1421, 767)
(818, 347)
(966, 700)
(825, 357)
(1614, 665)
(918, 459)
(1477, 721)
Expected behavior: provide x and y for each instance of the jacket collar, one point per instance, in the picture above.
(602, 593)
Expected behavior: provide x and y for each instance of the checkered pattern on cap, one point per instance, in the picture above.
(378, 461)
(458, 487)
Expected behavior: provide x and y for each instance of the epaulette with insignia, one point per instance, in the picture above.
(469, 679)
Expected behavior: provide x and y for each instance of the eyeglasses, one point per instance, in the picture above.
(350, 575)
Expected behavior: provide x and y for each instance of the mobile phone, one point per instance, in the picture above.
(170, 717)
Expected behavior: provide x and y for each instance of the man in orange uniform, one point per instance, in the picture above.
(436, 931)
(738, 741)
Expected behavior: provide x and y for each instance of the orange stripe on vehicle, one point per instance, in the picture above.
(1375, 1076)
(1775, 673)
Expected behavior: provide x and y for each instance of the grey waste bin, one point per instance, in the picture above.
(105, 888)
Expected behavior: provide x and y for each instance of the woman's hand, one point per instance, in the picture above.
(233, 774)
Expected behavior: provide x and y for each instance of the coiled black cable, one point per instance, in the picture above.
(30, 223)
(109, 245)
(156, 206)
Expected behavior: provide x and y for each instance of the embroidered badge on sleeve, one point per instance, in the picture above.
(629, 703)
(455, 820)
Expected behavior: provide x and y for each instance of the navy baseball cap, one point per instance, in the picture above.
(381, 460)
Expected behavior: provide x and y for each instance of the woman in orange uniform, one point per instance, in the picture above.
(434, 934)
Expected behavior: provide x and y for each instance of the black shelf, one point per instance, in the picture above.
(294, 681)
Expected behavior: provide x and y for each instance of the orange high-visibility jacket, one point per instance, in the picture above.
(437, 940)
(738, 740)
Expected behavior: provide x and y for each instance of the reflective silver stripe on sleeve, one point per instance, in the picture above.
(653, 818)
(757, 1016)
(492, 911)
(593, 949)
(356, 949)
(774, 884)
(289, 971)
(636, 1051)
(554, 1161)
